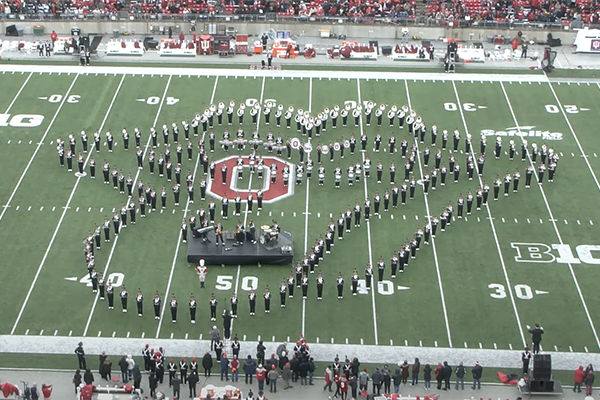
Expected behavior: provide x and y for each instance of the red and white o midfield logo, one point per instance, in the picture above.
(272, 192)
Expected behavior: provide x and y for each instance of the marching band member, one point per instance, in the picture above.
(334, 116)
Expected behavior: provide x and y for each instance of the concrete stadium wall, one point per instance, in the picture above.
(377, 32)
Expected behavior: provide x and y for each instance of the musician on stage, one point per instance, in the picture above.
(219, 233)
(251, 232)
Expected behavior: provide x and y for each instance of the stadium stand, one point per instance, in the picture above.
(433, 12)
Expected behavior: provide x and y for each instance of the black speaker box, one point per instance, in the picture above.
(541, 386)
(11, 30)
(542, 367)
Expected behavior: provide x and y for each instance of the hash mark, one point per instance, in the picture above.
(186, 336)
(99, 333)
(566, 222)
(466, 345)
(541, 222)
(201, 336)
(318, 215)
(282, 213)
(570, 349)
(318, 338)
(27, 332)
(435, 343)
(269, 213)
(41, 332)
(480, 346)
(478, 219)
(53, 208)
(294, 214)
(29, 209)
(346, 340)
(17, 209)
(503, 221)
(273, 339)
(331, 340)
(406, 343)
(510, 346)
(77, 209)
(244, 337)
(591, 223)
(495, 346)
(361, 341)
(171, 335)
(392, 216)
(56, 332)
(41, 208)
(404, 217)
(90, 209)
(578, 223)
(528, 221)
(391, 342)
(585, 347)
(70, 333)
(516, 221)
(114, 334)
(128, 333)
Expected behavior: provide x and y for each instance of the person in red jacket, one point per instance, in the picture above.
(338, 385)
(328, 378)
(578, 379)
(343, 385)
(47, 391)
(261, 375)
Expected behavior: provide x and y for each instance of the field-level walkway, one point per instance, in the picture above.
(321, 352)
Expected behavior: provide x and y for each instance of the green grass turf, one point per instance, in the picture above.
(455, 274)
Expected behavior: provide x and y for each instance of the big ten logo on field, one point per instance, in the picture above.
(21, 120)
(559, 253)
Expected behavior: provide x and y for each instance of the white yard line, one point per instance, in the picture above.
(39, 145)
(310, 90)
(18, 93)
(509, 286)
(239, 269)
(137, 175)
(553, 221)
(67, 206)
(185, 212)
(433, 246)
(562, 109)
(368, 223)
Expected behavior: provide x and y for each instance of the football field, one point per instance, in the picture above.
(530, 257)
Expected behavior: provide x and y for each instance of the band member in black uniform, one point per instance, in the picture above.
(516, 177)
(124, 296)
(173, 304)
(304, 284)
(340, 286)
(368, 276)
(225, 207)
(110, 293)
(233, 300)
(267, 298)
(101, 286)
(252, 302)
(282, 293)
(213, 307)
(469, 202)
(381, 268)
(192, 304)
(156, 302)
(116, 222)
(139, 300)
(354, 282)
(320, 282)
(291, 283)
(348, 218)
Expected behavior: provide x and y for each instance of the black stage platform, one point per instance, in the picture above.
(280, 253)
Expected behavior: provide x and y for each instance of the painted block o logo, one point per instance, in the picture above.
(272, 192)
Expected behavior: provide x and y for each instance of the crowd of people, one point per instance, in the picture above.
(440, 12)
